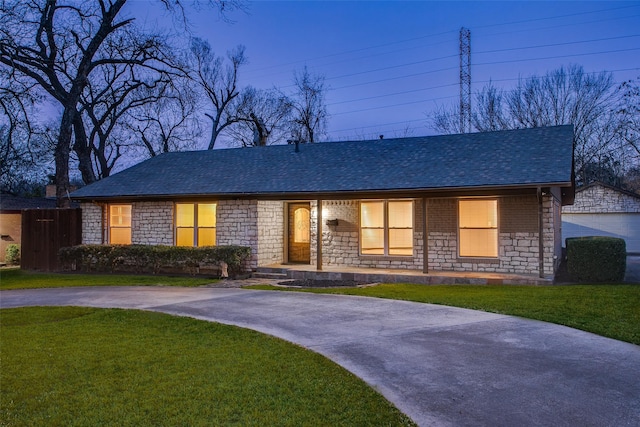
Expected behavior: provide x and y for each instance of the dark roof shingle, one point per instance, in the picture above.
(10, 202)
(527, 157)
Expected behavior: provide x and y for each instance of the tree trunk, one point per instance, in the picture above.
(62, 151)
(214, 129)
(82, 149)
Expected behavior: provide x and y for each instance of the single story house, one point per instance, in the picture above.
(603, 210)
(11, 208)
(479, 202)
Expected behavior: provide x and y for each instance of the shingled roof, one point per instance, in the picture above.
(490, 160)
(11, 203)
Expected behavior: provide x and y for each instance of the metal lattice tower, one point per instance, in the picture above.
(465, 80)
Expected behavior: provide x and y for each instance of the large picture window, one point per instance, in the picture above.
(386, 227)
(195, 224)
(120, 224)
(478, 228)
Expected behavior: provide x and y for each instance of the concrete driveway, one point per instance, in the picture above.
(442, 366)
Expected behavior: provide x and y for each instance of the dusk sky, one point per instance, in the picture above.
(388, 64)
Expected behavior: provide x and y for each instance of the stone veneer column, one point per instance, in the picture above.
(270, 232)
(550, 222)
(237, 224)
(91, 223)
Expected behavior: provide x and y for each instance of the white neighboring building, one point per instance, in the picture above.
(602, 210)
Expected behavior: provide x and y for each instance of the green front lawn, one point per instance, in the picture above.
(20, 279)
(72, 366)
(608, 310)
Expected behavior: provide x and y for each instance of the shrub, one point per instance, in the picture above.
(151, 258)
(596, 259)
(12, 254)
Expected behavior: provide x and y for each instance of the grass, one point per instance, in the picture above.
(20, 279)
(83, 366)
(608, 310)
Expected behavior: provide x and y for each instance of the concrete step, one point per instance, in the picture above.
(271, 270)
(269, 275)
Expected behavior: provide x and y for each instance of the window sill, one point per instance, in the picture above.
(479, 260)
(387, 257)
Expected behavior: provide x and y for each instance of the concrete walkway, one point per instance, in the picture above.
(442, 366)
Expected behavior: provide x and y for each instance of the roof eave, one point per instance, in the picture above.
(485, 190)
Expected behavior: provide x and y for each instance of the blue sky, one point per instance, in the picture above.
(388, 64)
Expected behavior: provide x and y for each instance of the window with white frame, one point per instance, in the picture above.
(386, 227)
(195, 224)
(478, 228)
(120, 224)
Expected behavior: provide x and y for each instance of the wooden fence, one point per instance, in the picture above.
(44, 232)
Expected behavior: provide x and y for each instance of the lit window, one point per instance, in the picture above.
(386, 227)
(120, 224)
(195, 224)
(478, 221)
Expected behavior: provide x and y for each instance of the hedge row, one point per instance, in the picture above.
(596, 259)
(151, 258)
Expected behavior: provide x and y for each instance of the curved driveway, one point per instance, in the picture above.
(442, 366)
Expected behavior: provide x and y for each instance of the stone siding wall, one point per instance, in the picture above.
(600, 199)
(270, 232)
(92, 223)
(237, 224)
(152, 223)
(260, 225)
(518, 237)
(341, 243)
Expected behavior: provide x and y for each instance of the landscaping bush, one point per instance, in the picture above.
(12, 254)
(151, 258)
(596, 259)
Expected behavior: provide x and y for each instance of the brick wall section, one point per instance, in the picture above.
(152, 223)
(601, 199)
(237, 224)
(270, 232)
(91, 223)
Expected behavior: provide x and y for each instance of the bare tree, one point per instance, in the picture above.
(563, 96)
(24, 157)
(262, 118)
(309, 111)
(167, 124)
(59, 44)
(219, 82)
(629, 113)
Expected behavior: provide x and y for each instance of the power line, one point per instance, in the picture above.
(348, 52)
(557, 56)
(557, 44)
(475, 93)
(481, 52)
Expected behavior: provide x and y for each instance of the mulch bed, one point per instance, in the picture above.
(309, 283)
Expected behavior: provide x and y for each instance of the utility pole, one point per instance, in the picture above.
(465, 80)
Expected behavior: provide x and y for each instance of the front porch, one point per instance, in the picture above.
(380, 275)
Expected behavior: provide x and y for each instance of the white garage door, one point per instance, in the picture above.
(623, 225)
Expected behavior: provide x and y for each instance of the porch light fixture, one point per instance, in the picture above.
(332, 221)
